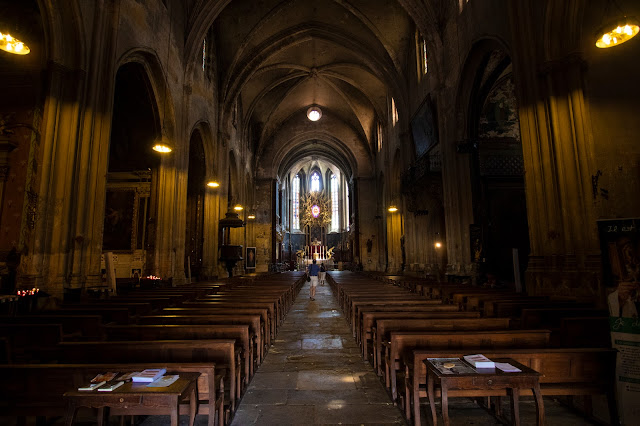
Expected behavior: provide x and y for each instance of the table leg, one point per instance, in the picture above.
(193, 407)
(445, 404)
(432, 403)
(100, 416)
(515, 406)
(174, 412)
(71, 414)
(539, 404)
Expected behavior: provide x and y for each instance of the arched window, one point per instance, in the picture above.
(295, 201)
(315, 182)
(204, 53)
(335, 217)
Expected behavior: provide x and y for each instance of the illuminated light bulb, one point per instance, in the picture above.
(393, 209)
(438, 245)
(13, 45)
(618, 32)
(213, 184)
(314, 113)
(161, 148)
(238, 208)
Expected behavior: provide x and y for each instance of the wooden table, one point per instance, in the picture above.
(138, 399)
(484, 382)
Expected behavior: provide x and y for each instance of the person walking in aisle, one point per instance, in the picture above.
(313, 271)
(322, 274)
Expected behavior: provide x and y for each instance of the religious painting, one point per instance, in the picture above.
(424, 127)
(118, 220)
(250, 262)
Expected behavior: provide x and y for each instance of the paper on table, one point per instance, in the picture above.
(163, 381)
(507, 368)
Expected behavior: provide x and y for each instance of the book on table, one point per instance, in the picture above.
(110, 387)
(149, 375)
(479, 361)
(91, 386)
(104, 377)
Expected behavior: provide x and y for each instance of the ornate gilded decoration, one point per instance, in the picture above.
(315, 210)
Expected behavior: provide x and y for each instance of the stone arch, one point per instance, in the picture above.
(164, 108)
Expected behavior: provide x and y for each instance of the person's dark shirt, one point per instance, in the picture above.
(322, 269)
(313, 270)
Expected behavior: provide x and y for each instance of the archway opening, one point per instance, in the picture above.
(194, 234)
(129, 220)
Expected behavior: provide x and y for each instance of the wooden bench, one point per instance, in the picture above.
(360, 306)
(572, 372)
(212, 310)
(73, 326)
(253, 321)
(31, 342)
(401, 344)
(384, 327)
(270, 307)
(219, 352)
(239, 332)
(546, 317)
(30, 390)
(367, 316)
(134, 308)
(108, 315)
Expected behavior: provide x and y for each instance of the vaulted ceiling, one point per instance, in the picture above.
(276, 58)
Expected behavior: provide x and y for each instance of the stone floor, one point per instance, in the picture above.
(314, 375)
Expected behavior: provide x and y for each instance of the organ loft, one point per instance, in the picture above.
(481, 155)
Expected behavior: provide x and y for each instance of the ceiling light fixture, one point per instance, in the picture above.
(251, 216)
(393, 209)
(213, 183)
(314, 113)
(617, 32)
(238, 208)
(10, 44)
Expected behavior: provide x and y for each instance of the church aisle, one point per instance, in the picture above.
(314, 374)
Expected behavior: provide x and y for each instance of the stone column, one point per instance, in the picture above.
(558, 152)
(47, 231)
(93, 153)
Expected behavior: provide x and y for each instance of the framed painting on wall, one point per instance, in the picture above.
(251, 258)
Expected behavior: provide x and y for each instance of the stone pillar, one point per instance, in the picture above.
(46, 228)
(93, 154)
(558, 152)
(263, 228)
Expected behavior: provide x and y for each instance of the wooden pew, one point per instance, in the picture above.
(253, 321)
(31, 342)
(587, 332)
(37, 389)
(134, 308)
(361, 306)
(384, 328)
(368, 317)
(513, 308)
(269, 306)
(73, 326)
(108, 315)
(548, 317)
(212, 310)
(566, 371)
(239, 332)
(401, 344)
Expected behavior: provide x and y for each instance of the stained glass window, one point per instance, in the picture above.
(295, 200)
(204, 53)
(335, 219)
(315, 182)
